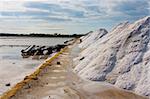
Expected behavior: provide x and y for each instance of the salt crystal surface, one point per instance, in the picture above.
(120, 57)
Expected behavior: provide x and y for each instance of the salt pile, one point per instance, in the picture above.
(120, 57)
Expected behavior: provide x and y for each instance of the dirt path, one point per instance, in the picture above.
(51, 83)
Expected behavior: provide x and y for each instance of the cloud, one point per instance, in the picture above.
(53, 18)
(24, 13)
(42, 6)
(12, 5)
(134, 8)
(82, 13)
(57, 9)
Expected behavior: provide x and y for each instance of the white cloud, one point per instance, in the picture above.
(14, 5)
(94, 11)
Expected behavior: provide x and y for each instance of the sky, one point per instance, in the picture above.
(68, 16)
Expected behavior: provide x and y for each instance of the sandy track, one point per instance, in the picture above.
(51, 83)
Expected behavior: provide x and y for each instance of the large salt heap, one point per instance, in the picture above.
(92, 37)
(121, 57)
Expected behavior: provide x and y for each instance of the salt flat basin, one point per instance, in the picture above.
(13, 71)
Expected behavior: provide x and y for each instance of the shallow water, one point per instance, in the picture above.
(13, 67)
(24, 41)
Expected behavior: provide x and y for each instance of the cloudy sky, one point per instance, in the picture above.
(68, 16)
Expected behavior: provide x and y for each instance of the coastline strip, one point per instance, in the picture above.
(10, 93)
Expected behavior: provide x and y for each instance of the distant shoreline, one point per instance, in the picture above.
(42, 35)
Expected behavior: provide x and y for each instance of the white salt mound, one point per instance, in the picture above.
(120, 57)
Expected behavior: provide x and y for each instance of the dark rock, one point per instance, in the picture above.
(26, 77)
(82, 58)
(41, 50)
(80, 40)
(66, 42)
(58, 63)
(36, 78)
(49, 50)
(8, 84)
